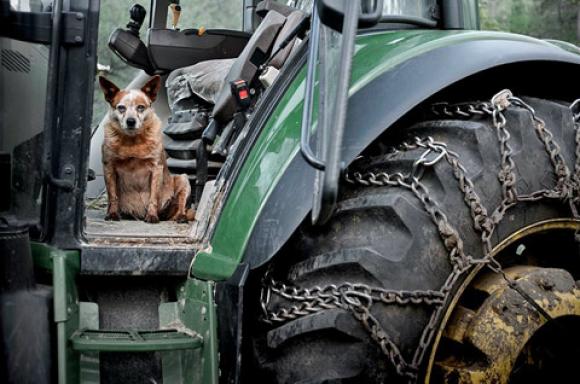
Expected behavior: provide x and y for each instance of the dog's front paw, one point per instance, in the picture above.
(112, 216)
(152, 219)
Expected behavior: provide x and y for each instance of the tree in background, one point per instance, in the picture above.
(549, 19)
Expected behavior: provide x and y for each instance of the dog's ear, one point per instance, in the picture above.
(152, 87)
(109, 89)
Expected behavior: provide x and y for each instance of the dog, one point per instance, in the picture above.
(138, 181)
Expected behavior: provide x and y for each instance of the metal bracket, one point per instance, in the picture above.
(66, 182)
(36, 27)
(74, 28)
(68, 173)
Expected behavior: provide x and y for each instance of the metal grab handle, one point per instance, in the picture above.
(328, 188)
(305, 148)
(330, 143)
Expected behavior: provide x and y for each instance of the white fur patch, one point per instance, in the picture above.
(131, 101)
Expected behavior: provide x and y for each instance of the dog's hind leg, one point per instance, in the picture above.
(181, 191)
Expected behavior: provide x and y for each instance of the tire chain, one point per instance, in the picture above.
(575, 202)
(358, 298)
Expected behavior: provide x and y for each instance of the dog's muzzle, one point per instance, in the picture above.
(131, 123)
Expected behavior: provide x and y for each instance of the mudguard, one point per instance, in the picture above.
(393, 72)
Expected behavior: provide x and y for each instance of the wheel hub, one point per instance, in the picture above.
(483, 342)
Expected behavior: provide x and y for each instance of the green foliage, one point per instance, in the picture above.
(548, 19)
(211, 14)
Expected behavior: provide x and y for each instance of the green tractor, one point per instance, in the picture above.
(384, 193)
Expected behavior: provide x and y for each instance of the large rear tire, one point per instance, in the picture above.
(391, 238)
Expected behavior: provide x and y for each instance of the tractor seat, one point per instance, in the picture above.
(206, 79)
(197, 84)
(201, 93)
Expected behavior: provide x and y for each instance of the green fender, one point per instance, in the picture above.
(392, 73)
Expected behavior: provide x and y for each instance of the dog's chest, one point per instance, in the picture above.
(127, 151)
(134, 173)
(133, 161)
(133, 165)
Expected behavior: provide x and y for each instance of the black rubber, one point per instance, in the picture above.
(382, 236)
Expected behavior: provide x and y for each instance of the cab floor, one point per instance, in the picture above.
(97, 227)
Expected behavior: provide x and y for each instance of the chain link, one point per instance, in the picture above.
(359, 298)
(563, 189)
(316, 299)
(356, 298)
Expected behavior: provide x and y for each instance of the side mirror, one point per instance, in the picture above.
(331, 13)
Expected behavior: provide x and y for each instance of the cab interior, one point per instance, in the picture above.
(204, 71)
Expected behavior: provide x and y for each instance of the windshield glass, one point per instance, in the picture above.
(417, 8)
(225, 14)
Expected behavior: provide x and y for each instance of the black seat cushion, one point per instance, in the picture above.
(185, 149)
(187, 125)
(189, 167)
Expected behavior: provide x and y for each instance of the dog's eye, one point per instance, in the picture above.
(140, 108)
(121, 108)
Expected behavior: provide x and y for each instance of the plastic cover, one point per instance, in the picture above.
(204, 80)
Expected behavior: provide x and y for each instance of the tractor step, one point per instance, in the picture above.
(134, 341)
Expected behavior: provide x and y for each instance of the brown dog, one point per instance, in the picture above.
(138, 181)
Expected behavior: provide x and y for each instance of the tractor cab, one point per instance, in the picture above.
(213, 79)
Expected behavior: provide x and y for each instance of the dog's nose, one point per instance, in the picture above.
(131, 122)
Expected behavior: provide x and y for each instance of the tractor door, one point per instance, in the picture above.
(23, 79)
(47, 61)
(47, 65)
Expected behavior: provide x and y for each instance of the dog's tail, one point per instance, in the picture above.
(190, 214)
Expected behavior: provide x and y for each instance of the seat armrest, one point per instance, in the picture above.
(246, 66)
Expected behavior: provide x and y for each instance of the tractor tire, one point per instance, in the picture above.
(383, 237)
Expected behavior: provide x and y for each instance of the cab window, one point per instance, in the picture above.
(214, 14)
